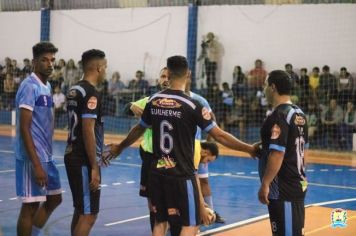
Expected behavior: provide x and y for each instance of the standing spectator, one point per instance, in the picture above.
(346, 86)
(313, 118)
(314, 82)
(9, 92)
(348, 126)
(304, 88)
(294, 78)
(15, 68)
(59, 100)
(57, 76)
(239, 82)
(331, 118)
(139, 85)
(27, 67)
(227, 100)
(70, 76)
(115, 84)
(257, 76)
(328, 84)
(37, 178)
(211, 59)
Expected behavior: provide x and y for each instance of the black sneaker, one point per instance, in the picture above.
(219, 219)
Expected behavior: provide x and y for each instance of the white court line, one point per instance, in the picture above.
(117, 183)
(262, 217)
(130, 182)
(324, 170)
(13, 198)
(240, 173)
(6, 151)
(125, 164)
(0, 200)
(128, 220)
(6, 171)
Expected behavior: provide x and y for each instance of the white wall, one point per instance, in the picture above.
(304, 35)
(142, 38)
(136, 38)
(19, 31)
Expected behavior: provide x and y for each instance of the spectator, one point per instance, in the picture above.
(346, 86)
(227, 100)
(257, 76)
(214, 97)
(27, 67)
(211, 59)
(57, 76)
(59, 100)
(331, 118)
(313, 118)
(139, 85)
(348, 127)
(314, 82)
(304, 88)
(256, 114)
(15, 68)
(115, 84)
(294, 78)
(70, 76)
(7, 69)
(237, 116)
(239, 82)
(327, 84)
(9, 92)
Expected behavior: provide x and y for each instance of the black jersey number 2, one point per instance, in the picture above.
(166, 140)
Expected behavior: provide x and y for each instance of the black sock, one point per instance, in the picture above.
(152, 220)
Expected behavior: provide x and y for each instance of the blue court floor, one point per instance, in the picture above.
(234, 182)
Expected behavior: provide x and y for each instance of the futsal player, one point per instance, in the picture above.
(174, 117)
(284, 136)
(37, 178)
(85, 142)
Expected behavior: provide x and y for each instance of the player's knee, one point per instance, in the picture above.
(53, 202)
(174, 221)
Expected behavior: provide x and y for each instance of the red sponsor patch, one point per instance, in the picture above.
(173, 211)
(276, 131)
(206, 113)
(92, 103)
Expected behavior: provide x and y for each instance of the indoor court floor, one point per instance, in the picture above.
(234, 182)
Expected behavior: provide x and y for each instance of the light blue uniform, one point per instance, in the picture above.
(33, 95)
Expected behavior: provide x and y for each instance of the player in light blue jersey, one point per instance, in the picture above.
(37, 178)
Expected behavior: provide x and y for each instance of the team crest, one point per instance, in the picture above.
(338, 218)
(166, 103)
(92, 103)
(72, 93)
(206, 114)
(299, 120)
(276, 131)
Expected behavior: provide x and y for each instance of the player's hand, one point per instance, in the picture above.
(257, 149)
(136, 110)
(205, 216)
(95, 179)
(111, 151)
(263, 194)
(40, 175)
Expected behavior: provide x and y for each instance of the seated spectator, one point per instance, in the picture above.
(348, 126)
(331, 118)
(237, 116)
(115, 84)
(294, 78)
(59, 100)
(312, 114)
(346, 86)
(257, 76)
(139, 85)
(9, 92)
(239, 82)
(303, 83)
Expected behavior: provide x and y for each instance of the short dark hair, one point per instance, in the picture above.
(343, 69)
(177, 66)
(281, 80)
(326, 68)
(288, 65)
(42, 48)
(91, 54)
(211, 146)
(304, 69)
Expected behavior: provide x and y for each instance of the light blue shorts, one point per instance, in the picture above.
(26, 186)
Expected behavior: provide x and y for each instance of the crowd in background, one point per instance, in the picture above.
(327, 98)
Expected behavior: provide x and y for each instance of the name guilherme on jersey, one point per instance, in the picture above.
(167, 104)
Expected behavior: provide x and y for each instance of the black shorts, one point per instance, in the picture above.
(287, 218)
(79, 176)
(175, 199)
(146, 158)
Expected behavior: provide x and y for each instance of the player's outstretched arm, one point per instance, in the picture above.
(228, 140)
(115, 149)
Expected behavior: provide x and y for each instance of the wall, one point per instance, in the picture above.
(142, 38)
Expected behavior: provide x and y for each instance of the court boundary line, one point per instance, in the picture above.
(262, 217)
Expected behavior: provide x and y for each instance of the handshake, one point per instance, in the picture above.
(110, 152)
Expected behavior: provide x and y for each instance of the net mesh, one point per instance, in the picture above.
(326, 95)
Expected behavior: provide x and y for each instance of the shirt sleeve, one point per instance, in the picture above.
(27, 97)
(90, 107)
(279, 133)
(146, 120)
(141, 103)
(204, 119)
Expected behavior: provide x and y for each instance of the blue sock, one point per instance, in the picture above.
(35, 231)
(209, 200)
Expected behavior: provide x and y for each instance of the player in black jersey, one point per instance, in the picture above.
(85, 142)
(174, 117)
(284, 137)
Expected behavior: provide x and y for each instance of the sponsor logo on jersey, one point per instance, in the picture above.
(275, 132)
(92, 103)
(299, 120)
(173, 211)
(166, 103)
(206, 114)
(338, 218)
(166, 162)
(72, 93)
